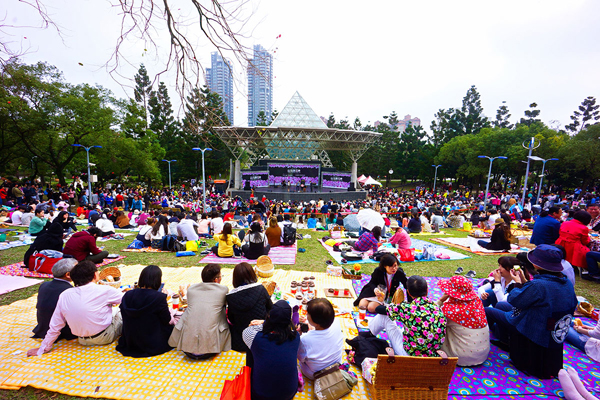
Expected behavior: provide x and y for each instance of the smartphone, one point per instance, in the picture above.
(162, 285)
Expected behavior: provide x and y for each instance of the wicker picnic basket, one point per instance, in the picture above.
(270, 286)
(412, 378)
(265, 267)
(110, 271)
(346, 275)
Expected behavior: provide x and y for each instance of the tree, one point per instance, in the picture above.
(143, 90)
(502, 116)
(581, 154)
(531, 115)
(588, 111)
(162, 121)
(445, 126)
(274, 115)
(331, 121)
(261, 119)
(471, 113)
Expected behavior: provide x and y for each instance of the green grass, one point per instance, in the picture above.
(312, 260)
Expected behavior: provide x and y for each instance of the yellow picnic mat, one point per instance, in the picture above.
(428, 233)
(101, 371)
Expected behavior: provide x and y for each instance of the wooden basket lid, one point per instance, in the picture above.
(112, 271)
(264, 263)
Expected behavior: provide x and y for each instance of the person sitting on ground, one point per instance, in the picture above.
(401, 239)
(82, 246)
(27, 216)
(105, 225)
(500, 239)
(146, 231)
(437, 220)
(123, 221)
(422, 319)
(228, 244)
(311, 223)
(87, 309)
(15, 217)
(414, 225)
(216, 223)
(50, 239)
(202, 331)
(158, 232)
(204, 226)
(368, 240)
(536, 313)
(248, 300)
(273, 343)
(547, 227)
(147, 321)
(586, 338)
(255, 243)
(387, 277)
(48, 297)
(496, 287)
(492, 217)
(455, 220)
(568, 270)
(425, 225)
(38, 223)
(322, 346)
(273, 232)
(467, 332)
(573, 236)
(286, 222)
(330, 220)
(187, 229)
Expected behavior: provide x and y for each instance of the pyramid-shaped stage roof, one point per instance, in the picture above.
(298, 114)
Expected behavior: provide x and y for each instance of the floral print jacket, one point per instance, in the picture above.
(424, 326)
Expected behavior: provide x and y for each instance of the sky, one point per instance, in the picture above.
(355, 58)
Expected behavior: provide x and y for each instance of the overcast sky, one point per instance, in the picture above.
(364, 59)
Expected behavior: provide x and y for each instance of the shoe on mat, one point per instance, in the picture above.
(205, 253)
(328, 262)
(459, 270)
(344, 261)
(471, 274)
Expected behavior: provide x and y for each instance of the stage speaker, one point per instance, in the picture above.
(247, 185)
(351, 188)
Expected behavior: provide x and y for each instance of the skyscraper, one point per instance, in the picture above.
(260, 85)
(219, 78)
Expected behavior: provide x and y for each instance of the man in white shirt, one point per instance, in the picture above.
(16, 216)
(87, 308)
(187, 229)
(286, 221)
(323, 346)
(216, 223)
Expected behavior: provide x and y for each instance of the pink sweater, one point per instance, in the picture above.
(402, 239)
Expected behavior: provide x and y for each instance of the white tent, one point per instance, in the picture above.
(371, 181)
(362, 179)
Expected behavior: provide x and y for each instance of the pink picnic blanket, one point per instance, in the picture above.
(279, 255)
(10, 283)
(18, 270)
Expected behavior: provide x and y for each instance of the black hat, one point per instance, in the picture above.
(281, 313)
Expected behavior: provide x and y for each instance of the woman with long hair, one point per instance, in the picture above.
(159, 231)
(273, 232)
(500, 239)
(256, 243)
(228, 244)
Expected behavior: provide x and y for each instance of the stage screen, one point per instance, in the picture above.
(256, 178)
(294, 173)
(338, 180)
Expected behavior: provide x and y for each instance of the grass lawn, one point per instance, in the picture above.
(312, 260)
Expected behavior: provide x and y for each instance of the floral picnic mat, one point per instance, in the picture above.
(17, 269)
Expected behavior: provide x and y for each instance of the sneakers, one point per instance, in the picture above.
(459, 271)
(471, 274)
(237, 256)
(590, 277)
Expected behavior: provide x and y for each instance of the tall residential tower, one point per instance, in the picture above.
(219, 78)
(260, 85)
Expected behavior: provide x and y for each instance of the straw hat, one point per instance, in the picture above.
(394, 225)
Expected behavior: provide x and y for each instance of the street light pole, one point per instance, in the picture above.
(487, 185)
(87, 150)
(169, 161)
(435, 177)
(535, 158)
(203, 178)
(531, 146)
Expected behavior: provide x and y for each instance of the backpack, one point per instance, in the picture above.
(180, 246)
(289, 235)
(168, 243)
(136, 244)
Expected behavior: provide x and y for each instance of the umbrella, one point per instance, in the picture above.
(371, 181)
(369, 219)
(351, 223)
(362, 178)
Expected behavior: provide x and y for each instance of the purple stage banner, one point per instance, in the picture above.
(338, 180)
(256, 178)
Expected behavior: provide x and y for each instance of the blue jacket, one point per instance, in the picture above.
(545, 231)
(137, 205)
(543, 309)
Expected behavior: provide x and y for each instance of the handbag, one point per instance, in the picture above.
(406, 255)
(42, 263)
(330, 383)
(239, 387)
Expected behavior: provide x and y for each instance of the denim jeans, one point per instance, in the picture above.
(592, 258)
(491, 299)
(483, 243)
(498, 321)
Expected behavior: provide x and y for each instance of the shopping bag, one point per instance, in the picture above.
(191, 245)
(239, 387)
(406, 255)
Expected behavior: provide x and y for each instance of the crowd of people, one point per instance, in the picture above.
(527, 302)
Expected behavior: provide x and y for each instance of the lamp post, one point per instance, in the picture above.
(203, 180)
(169, 161)
(87, 150)
(487, 185)
(536, 158)
(435, 177)
(531, 146)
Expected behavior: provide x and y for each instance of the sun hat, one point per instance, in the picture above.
(467, 311)
(136, 212)
(546, 257)
(458, 287)
(499, 221)
(394, 225)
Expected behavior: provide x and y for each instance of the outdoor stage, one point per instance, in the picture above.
(276, 193)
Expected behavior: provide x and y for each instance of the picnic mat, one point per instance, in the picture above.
(415, 243)
(497, 377)
(470, 244)
(100, 371)
(428, 233)
(279, 255)
(17, 269)
(10, 283)
(146, 250)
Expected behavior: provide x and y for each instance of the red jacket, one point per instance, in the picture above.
(81, 245)
(574, 237)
